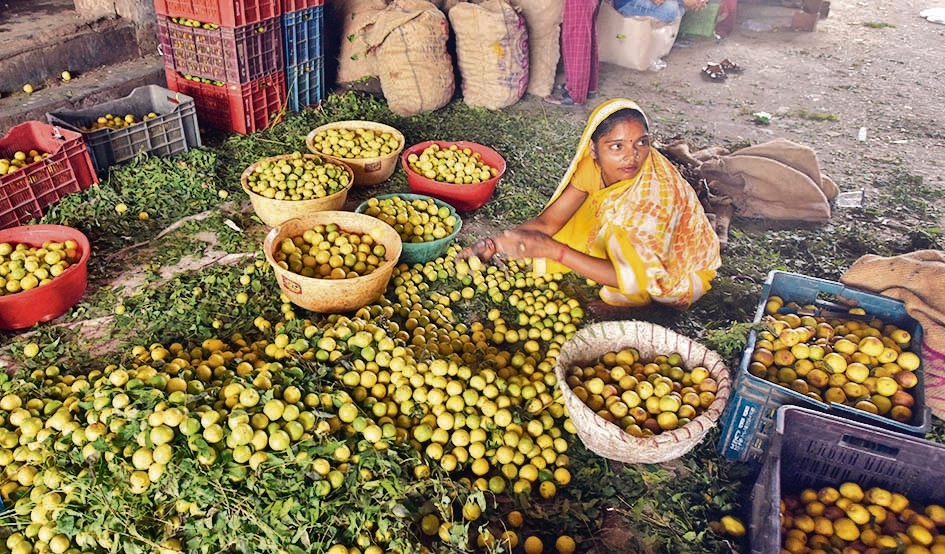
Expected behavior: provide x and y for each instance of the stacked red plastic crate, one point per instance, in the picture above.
(303, 24)
(228, 55)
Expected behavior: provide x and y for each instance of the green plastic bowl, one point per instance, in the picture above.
(421, 252)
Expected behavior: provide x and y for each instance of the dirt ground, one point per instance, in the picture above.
(872, 65)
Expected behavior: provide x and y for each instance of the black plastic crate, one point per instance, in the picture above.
(813, 450)
(173, 131)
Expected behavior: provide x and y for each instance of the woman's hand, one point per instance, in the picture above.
(516, 244)
(484, 249)
(522, 243)
(695, 5)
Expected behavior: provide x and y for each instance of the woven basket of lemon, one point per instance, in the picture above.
(368, 147)
(640, 393)
(293, 185)
(333, 261)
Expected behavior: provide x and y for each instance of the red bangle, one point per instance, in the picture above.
(561, 251)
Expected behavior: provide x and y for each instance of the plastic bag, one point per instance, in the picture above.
(634, 42)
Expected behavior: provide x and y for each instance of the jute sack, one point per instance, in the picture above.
(762, 187)
(354, 59)
(606, 438)
(491, 51)
(798, 156)
(414, 67)
(543, 21)
(633, 42)
(918, 280)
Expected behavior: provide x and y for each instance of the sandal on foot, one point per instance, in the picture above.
(714, 72)
(561, 98)
(729, 66)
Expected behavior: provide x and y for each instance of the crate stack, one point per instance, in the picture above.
(228, 55)
(303, 28)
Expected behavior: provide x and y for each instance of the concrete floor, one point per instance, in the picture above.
(41, 39)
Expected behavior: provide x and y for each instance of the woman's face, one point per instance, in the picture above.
(621, 152)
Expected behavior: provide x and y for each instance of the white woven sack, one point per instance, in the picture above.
(491, 51)
(543, 19)
(607, 439)
(415, 69)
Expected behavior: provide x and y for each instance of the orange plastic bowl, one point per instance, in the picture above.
(27, 308)
(462, 197)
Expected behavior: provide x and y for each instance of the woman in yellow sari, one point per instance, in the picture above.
(622, 216)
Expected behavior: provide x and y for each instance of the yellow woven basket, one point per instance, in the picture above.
(367, 171)
(607, 439)
(273, 212)
(334, 295)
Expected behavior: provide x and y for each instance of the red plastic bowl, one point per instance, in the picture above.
(462, 197)
(27, 308)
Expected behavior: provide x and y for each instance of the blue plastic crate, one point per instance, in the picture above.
(304, 34)
(749, 418)
(814, 450)
(304, 84)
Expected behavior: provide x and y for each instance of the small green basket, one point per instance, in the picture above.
(700, 23)
(421, 252)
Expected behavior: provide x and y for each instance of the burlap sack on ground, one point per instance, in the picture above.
(918, 280)
(354, 60)
(543, 21)
(800, 157)
(491, 52)
(633, 42)
(778, 180)
(415, 69)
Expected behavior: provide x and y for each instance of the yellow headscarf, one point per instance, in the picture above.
(583, 168)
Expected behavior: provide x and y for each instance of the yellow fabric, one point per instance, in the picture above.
(652, 227)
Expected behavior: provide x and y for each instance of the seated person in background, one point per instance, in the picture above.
(622, 216)
(664, 10)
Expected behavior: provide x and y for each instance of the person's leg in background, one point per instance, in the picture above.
(579, 48)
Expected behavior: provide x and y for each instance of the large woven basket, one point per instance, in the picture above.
(334, 295)
(274, 212)
(367, 171)
(607, 439)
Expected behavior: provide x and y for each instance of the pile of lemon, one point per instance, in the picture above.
(859, 362)
(643, 397)
(24, 267)
(451, 165)
(330, 252)
(415, 220)
(20, 160)
(834, 518)
(111, 121)
(297, 178)
(355, 143)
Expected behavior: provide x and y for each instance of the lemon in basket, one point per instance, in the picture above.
(645, 396)
(451, 165)
(328, 252)
(297, 178)
(356, 142)
(416, 219)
